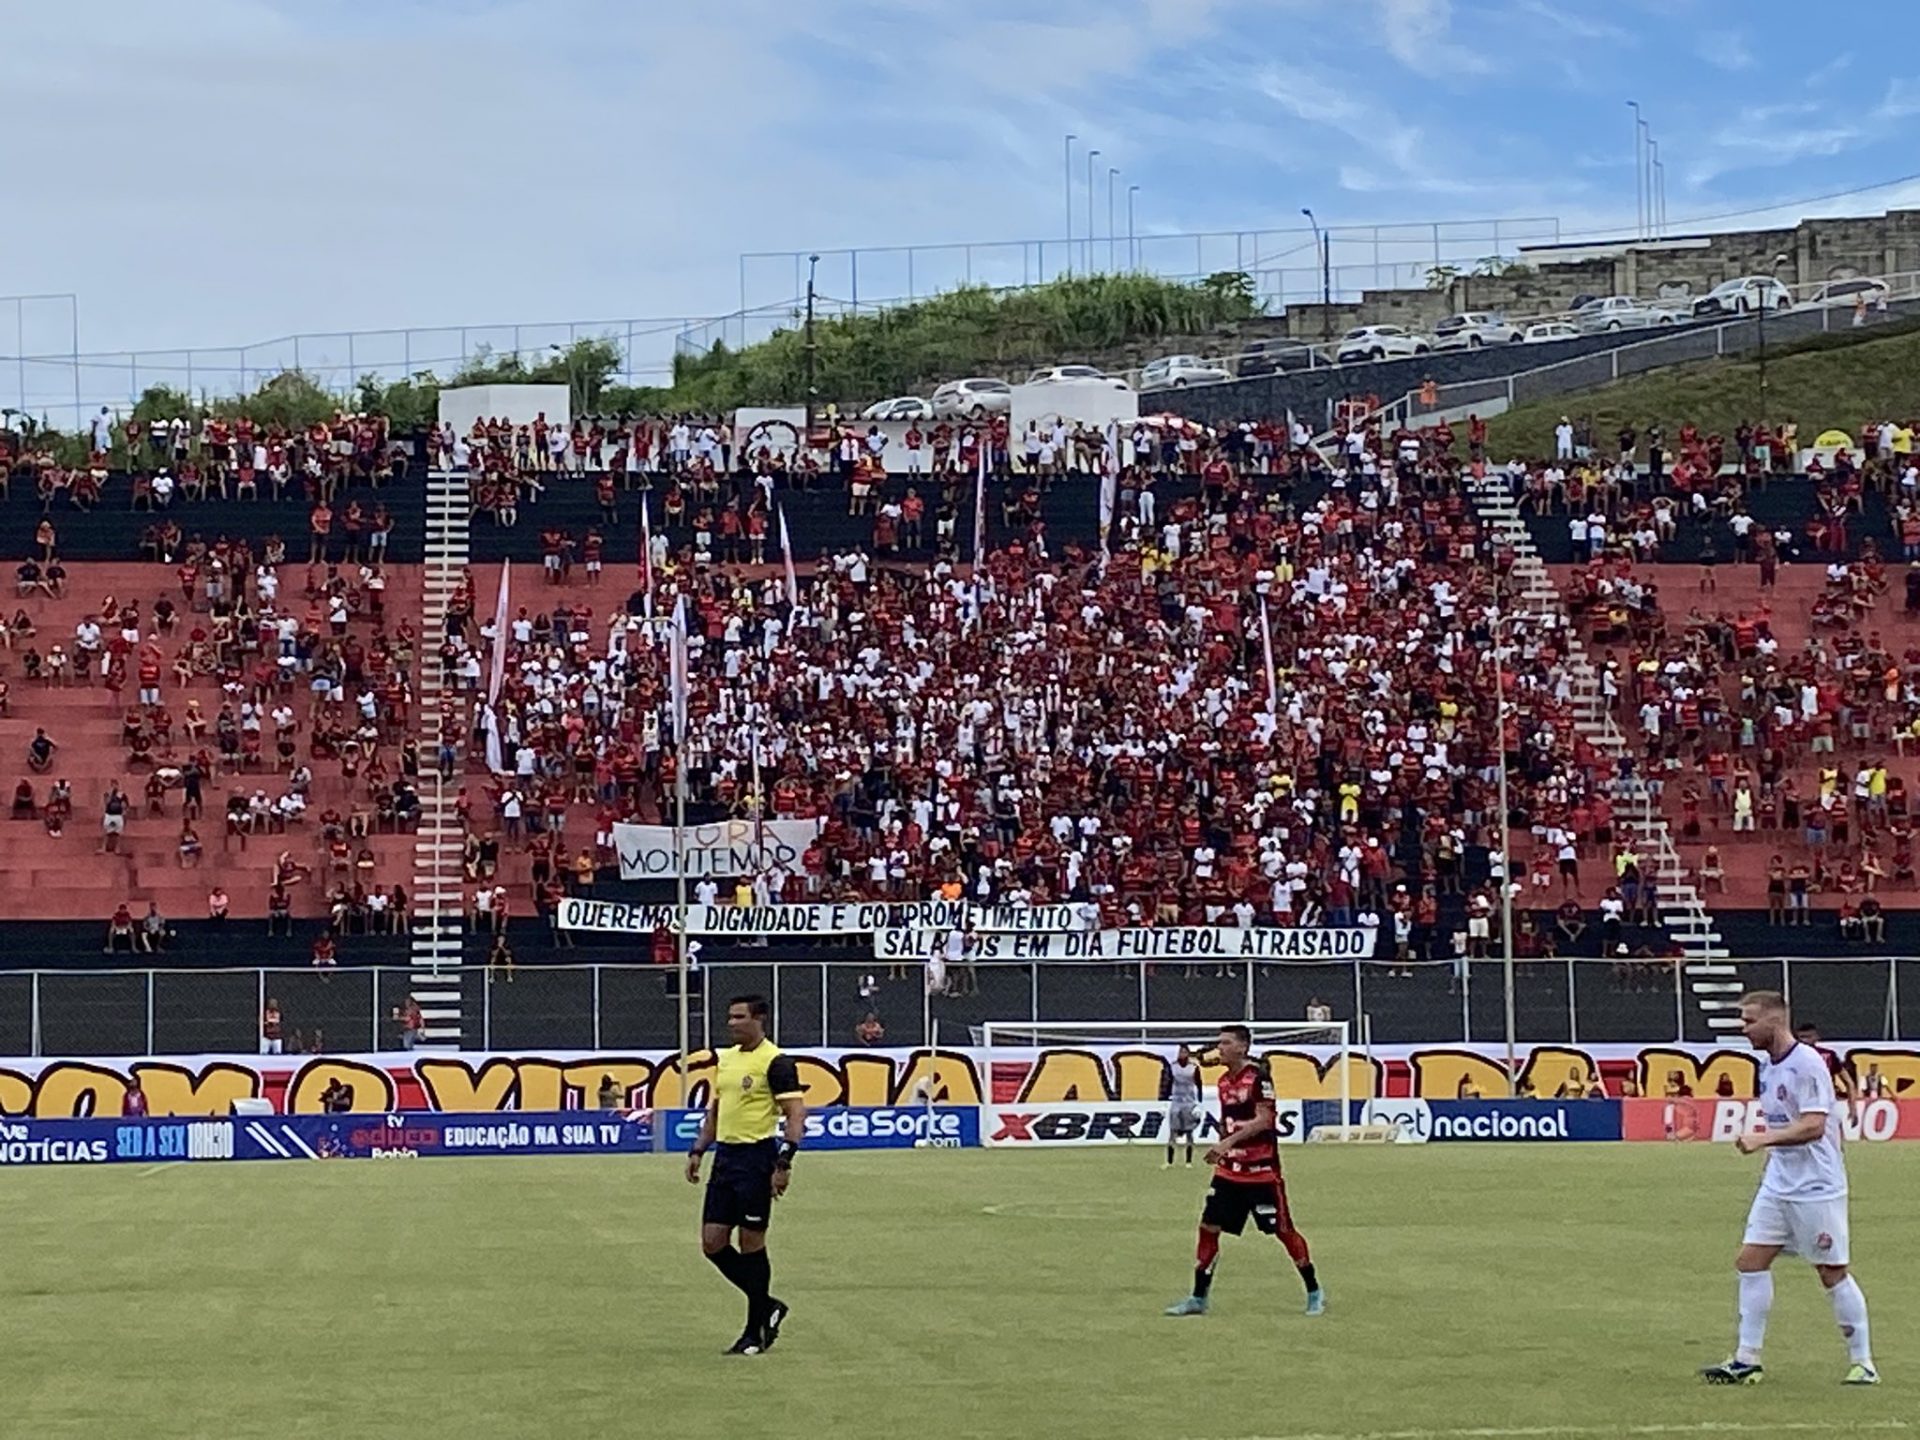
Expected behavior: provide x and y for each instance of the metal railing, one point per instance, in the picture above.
(1668, 347)
(603, 1007)
(67, 387)
(1285, 262)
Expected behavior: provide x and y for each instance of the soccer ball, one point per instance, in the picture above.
(922, 1143)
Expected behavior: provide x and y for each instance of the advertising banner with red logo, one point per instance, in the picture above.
(1726, 1120)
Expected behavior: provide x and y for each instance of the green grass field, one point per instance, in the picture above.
(1835, 380)
(1475, 1291)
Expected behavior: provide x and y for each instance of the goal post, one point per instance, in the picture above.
(1027, 1065)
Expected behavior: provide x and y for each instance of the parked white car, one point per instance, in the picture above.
(1380, 342)
(1176, 372)
(1849, 293)
(1542, 332)
(1054, 374)
(1618, 312)
(1745, 296)
(905, 407)
(1472, 329)
(972, 399)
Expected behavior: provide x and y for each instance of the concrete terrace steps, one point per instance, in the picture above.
(439, 881)
(1676, 898)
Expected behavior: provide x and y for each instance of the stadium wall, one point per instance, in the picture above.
(1069, 1075)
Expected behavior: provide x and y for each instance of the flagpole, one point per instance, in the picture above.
(677, 662)
(680, 904)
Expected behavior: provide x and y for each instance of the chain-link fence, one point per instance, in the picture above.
(64, 386)
(628, 1007)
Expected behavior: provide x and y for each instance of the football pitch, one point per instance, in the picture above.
(1475, 1292)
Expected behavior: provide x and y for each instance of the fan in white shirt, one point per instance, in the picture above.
(1801, 1208)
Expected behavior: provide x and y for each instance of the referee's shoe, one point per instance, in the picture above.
(777, 1311)
(758, 1339)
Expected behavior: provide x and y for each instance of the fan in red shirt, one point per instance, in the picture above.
(1246, 1175)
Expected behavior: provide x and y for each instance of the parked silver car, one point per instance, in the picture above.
(1472, 329)
(1380, 342)
(1619, 312)
(905, 407)
(973, 399)
(1176, 372)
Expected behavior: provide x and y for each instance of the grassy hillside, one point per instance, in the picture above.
(908, 349)
(1831, 381)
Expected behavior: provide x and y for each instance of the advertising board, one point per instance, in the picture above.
(559, 1080)
(1726, 1120)
(1094, 1122)
(392, 1136)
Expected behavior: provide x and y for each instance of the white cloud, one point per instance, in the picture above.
(1418, 33)
(1580, 27)
(1727, 49)
(1901, 100)
(323, 166)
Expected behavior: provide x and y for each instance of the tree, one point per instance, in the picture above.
(1441, 277)
(1230, 287)
(410, 404)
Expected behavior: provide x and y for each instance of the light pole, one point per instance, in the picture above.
(1067, 190)
(1112, 174)
(1639, 185)
(1092, 155)
(1653, 191)
(1320, 241)
(1766, 304)
(1133, 254)
(1646, 169)
(809, 349)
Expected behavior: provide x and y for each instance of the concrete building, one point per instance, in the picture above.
(1549, 278)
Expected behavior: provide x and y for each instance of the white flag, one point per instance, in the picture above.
(646, 559)
(1266, 643)
(786, 554)
(497, 674)
(980, 510)
(677, 667)
(1109, 481)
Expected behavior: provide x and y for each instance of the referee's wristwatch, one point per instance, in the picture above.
(783, 1155)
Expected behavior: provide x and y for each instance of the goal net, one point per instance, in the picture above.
(1106, 1082)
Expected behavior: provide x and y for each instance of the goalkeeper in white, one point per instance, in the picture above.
(1802, 1204)
(1183, 1102)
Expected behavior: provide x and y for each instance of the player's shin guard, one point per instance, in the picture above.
(1204, 1256)
(1756, 1302)
(1296, 1245)
(1850, 1312)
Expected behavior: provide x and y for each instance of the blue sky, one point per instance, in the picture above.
(217, 171)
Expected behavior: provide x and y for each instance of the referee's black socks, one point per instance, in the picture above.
(756, 1278)
(732, 1264)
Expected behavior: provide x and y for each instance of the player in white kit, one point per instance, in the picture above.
(1183, 1101)
(1802, 1204)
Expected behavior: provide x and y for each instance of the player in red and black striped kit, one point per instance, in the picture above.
(1246, 1176)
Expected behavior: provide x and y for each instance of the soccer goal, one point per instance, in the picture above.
(1313, 1075)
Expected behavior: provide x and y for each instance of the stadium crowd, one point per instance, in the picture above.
(1063, 725)
(1066, 723)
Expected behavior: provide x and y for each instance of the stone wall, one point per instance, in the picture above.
(1817, 251)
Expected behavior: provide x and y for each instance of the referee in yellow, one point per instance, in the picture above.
(755, 1120)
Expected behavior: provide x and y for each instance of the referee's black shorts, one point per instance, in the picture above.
(740, 1189)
